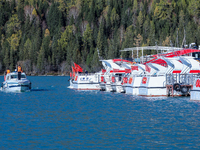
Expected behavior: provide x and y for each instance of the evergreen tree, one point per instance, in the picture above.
(135, 6)
(20, 10)
(64, 43)
(152, 34)
(140, 21)
(100, 40)
(95, 61)
(54, 19)
(114, 18)
(111, 49)
(41, 60)
(6, 57)
(36, 44)
(87, 44)
(91, 16)
(193, 8)
(27, 49)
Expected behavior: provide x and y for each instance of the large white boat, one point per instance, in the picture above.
(147, 80)
(168, 74)
(13, 84)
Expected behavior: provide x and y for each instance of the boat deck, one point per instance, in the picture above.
(180, 84)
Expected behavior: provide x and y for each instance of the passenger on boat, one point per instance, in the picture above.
(19, 70)
(7, 71)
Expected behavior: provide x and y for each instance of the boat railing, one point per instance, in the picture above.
(183, 79)
(86, 74)
(147, 75)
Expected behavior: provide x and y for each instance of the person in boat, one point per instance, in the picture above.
(7, 71)
(19, 70)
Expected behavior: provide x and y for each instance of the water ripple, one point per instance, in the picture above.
(51, 116)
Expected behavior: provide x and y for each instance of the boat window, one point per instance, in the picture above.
(23, 76)
(13, 76)
(16, 76)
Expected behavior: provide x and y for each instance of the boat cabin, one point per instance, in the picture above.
(14, 75)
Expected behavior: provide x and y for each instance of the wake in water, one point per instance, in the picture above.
(39, 90)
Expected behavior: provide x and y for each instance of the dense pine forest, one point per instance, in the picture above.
(47, 36)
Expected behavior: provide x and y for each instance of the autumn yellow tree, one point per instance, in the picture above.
(163, 10)
(47, 33)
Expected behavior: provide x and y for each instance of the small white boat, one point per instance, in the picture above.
(85, 82)
(13, 84)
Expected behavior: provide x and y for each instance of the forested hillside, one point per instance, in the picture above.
(48, 35)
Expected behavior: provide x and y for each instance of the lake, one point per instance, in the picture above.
(51, 116)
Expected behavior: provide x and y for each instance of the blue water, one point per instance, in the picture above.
(51, 116)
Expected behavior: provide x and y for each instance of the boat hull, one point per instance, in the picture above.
(117, 87)
(87, 85)
(102, 86)
(16, 87)
(109, 87)
(146, 86)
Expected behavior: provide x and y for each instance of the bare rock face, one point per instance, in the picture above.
(29, 11)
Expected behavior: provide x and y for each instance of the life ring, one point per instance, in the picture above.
(177, 87)
(113, 79)
(144, 80)
(198, 83)
(184, 89)
(130, 80)
(102, 79)
(125, 79)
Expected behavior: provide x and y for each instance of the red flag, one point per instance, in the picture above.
(78, 68)
(73, 69)
(134, 67)
(70, 74)
(74, 74)
(147, 68)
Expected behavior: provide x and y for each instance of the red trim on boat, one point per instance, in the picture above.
(176, 71)
(117, 71)
(114, 60)
(172, 54)
(194, 71)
